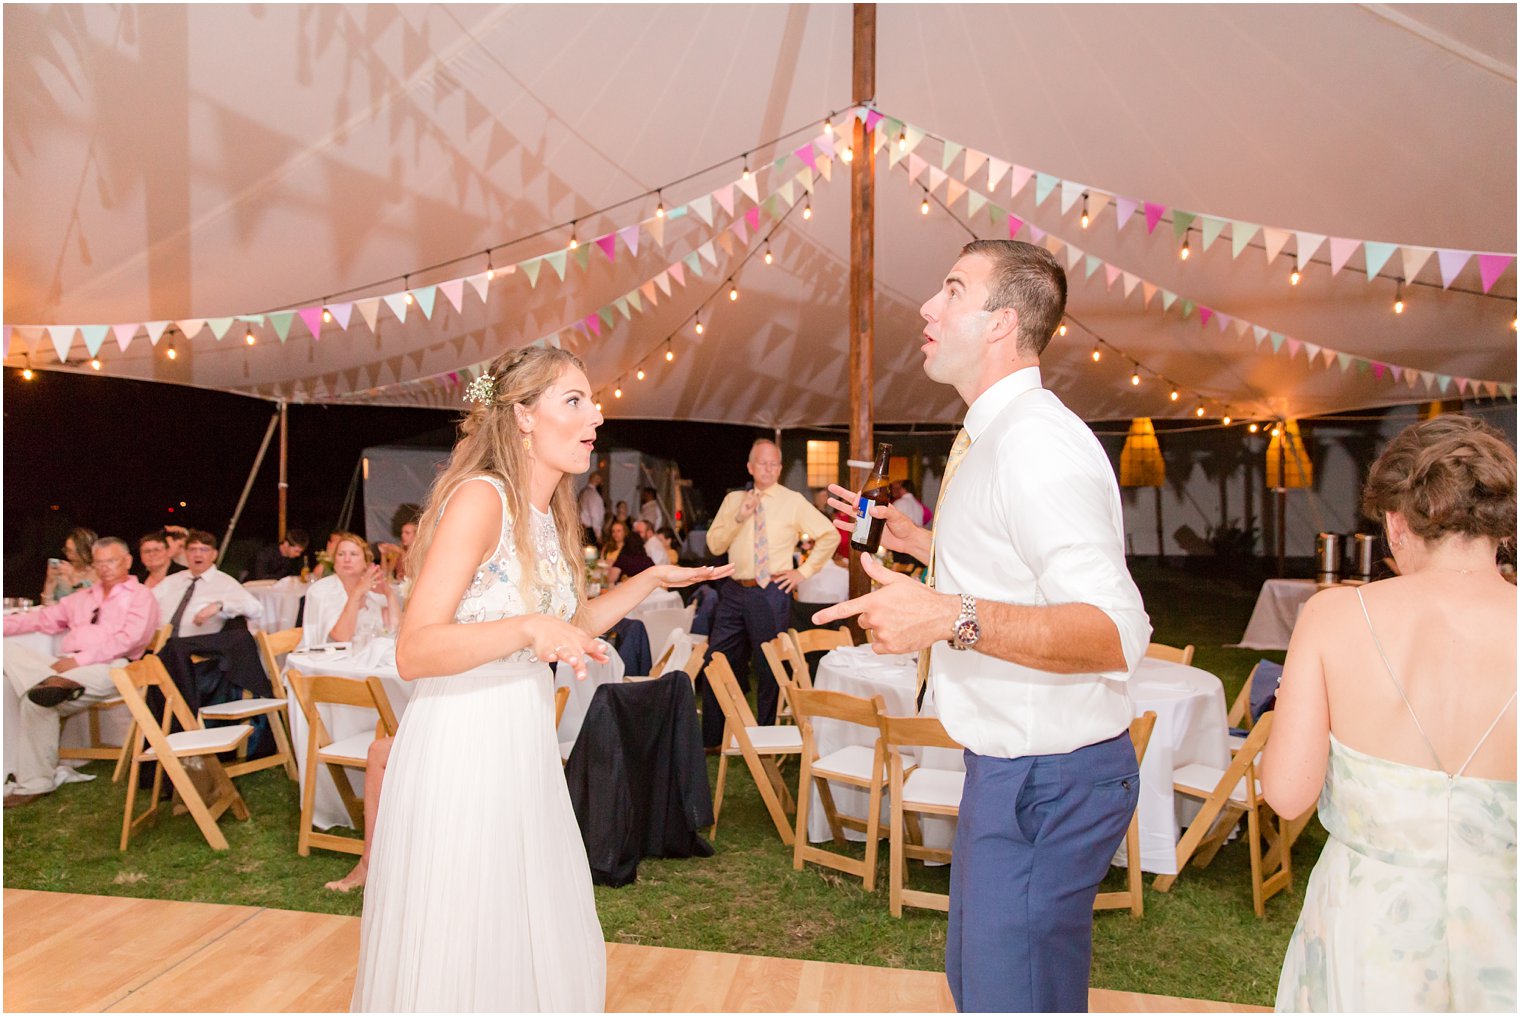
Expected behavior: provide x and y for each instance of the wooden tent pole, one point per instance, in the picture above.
(862, 265)
(284, 447)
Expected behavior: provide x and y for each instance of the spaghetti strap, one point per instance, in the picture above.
(1398, 687)
(1490, 730)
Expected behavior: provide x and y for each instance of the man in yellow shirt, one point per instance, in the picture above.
(759, 529)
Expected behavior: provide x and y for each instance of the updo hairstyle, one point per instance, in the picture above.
(1453, 475)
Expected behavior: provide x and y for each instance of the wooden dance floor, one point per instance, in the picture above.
(65, 952)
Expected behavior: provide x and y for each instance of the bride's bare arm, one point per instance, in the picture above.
(431, 644)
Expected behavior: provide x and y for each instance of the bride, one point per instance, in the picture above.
(479, 894)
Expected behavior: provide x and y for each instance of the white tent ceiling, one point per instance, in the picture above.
(173, 162)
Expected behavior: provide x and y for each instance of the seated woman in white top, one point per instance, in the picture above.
(355, 594)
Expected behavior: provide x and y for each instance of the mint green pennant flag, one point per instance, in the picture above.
(893, 127)
(771, 206)
(605, 314)
(621, 303)
(636, 300)
(951, 151)
(779, 164)
(557, 262)
(1092, 264)
(94, 337)
(999, 218)
(583, 256)
(252, 319)
(219, 326)
(1277, 341)
(974, 202)
(1188, 306)
(425, 295)
(1377, 256)
(531, 269)
(1167, 299)
(1240, 235)
(281, 323)
(1344, 360)
(1044, 183)
(1181, 221)
(693, 262)
(1212, 227)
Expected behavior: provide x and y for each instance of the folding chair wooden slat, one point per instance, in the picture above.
(313, 692)
(905, 832)
(811, 705)
(1171, 654)
(1140, 729)
(740, 731)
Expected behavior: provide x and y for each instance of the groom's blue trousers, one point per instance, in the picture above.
(1034, 839)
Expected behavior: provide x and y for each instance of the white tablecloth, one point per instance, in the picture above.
(1276, 611)
(280, 599)
(660, 599)
(114, 723)
(1190, 727)
(346, 721)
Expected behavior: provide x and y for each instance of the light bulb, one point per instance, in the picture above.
(769, 258)
(248, 337)
(923, 209)
(848, 155)
(26, 374)
(574, 243)
(1097, 354)
(409, 299)
(640, 374)
(902, 141)
(746, 170)
(828, 124)
(1294, 276)
(700, 329)
(1061, 330)
(1185, 251)
(1085, 218)
(172, 354)
(1134, 378)
(490, 269)
(1176, 395)
(598, 407)
(1199, 411)
(1253, 428)
(1398, 299)
(659, 208)
(617, 393)
(1277, 432)
(670, 356)
(1226, 420)
(326, 316)
(733, 293)
(95, 364)
(807, 210)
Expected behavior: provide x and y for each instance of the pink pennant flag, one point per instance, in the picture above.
(124, 334)
(872, 119)
(594, 323)
(678, 272)
(1275, 240)
(749, 188)
(1395, 370)
(1293, 347)
(807, 155)
(916, 167)
(1131, 280)
(1111, 273)
(936, 177)
(1378, 369)
(725, 198)
(1491, 266)
(155, 331)
(663, 281)
(341, 312)
(1452, 263)
(479, 283)
(1340, 252)
(740, 231)
(1126, 208)
(1018, 177)
(1153, 213)
(1014, 225)
(974, 161)
(753, 217)
(608, 244)
(312, 316)
(996, 170)
(1462, 385)
(1308, 243)
(1036, 233)
(630, 237)
(453, 291)
(1204, 313)
(1223, 321)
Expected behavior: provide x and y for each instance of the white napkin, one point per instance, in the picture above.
(381, 652)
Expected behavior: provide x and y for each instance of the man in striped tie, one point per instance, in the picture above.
(1029, 629)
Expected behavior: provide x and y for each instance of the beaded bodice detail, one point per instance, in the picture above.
(498, 589)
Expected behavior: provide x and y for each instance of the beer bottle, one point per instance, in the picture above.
(877, 490)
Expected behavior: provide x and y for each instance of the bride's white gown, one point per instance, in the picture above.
(479, 895)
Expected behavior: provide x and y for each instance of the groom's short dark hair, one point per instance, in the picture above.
(1028, 279)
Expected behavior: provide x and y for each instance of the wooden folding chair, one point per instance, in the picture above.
(914, 791)
(820, 640)
(1140, 729)
(561, 696)
(778, 653)
(854, 765)
(1171, 654)
(152, 742)
(760, 747)
(338, 756)
(1239, 716)
(98, 749)
(271, 647)
(1227, 795)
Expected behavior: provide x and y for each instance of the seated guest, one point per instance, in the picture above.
(103, 626)
(654, 549)
(625, 557)
(72, 572)
(176, 536)
(156, 564)
(393, 555)
(284, 559)
(619, 514)
(667, 538)
(355, 595)
(203, 598)
(1396, 713)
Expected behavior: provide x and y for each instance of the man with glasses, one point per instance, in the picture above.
(102, 626)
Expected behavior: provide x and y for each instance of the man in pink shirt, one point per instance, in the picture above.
(103, 626)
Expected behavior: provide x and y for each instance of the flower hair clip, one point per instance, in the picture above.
(482, 389)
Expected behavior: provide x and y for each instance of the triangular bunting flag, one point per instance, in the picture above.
(974, 161)
(583, 255)
(996, 170)
(1070, 192)
(1126, 208)
(656, 229)
(1204, 313)
(1444, 380)
(752, 217)
(1044, 183)
(1277, 341)
(1340, 252)
(1036, 234)
(1259, 332)
(311, 317)
(1212, 227)
(1130, 282)
(1096, 202)
(1344, 359)
(635, 300)
(531, 268)
(1014, 225)
(1181, 222)
(94, 337)
(1329, 356)
(954, 191)
(725, 196)
(1275, 240)
(1241, 327)
(479, 282)
(1377, 256)
(1148, 290)
(1240, 235)
(630, 237)
(621, 303)
(1188, 307)
(1223, 320)
(1308, 243)
(1073, 254)
(1092, 265)
(191, 327)
(1452, 263)
(1167, 299)
(916, 167)
(282, 320)
(219, 326)
(787, 194)
(951, 151)
(369, 310)
(124, 335)
(678, 272)
(1018, 177)
(1153, 213)
(693, 263)
(648, 292)
(807, 155)
(708, 254)
(805, 177)
(1111, 274)
(748, 188)
(975, 201)
(1293, 345)
(915, 136)
(557, 262)
(1491, 266)
(663, 281)
(453, 291)
(425, 296)
(1311, 352)
(1414, 260)
(1377, 370)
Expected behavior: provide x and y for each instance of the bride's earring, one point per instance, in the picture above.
(528, 444)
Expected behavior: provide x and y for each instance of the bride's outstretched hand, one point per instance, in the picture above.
(670, 576)
(556, 641)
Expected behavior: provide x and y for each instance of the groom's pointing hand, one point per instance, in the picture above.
(904, 615)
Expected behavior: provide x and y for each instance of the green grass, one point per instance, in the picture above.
(1201, 940)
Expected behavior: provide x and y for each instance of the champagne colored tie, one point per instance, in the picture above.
(957, 453)
(762, 547)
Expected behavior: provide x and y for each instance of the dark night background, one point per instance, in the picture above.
(118, 456)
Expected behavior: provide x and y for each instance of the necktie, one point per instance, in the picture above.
(762, 547)
(957, 453)
(184, 601)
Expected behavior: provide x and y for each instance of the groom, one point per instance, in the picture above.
(1032, 627)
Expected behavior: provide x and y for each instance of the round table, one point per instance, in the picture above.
(1276, 612)
(380, 661)
(1190, 727)
(280, 600)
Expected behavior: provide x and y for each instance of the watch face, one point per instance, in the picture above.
(966, 633)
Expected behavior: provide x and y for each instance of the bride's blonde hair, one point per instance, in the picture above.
(492, 444)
